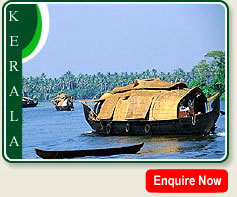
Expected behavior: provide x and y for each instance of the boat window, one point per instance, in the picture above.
(192, 104)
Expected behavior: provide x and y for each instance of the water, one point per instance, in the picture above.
(47, 129)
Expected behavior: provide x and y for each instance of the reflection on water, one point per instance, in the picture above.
(45, 128)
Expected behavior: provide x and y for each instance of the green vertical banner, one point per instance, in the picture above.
(20, 28)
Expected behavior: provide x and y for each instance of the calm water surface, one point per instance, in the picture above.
(47, 129)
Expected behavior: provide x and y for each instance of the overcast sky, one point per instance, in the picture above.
(120, 38)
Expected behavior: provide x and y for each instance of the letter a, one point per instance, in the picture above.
(11, 16)
(14, 91)
(12, 118)
(14, 141)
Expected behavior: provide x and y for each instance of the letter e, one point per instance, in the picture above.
(157, 180)
(14, 41)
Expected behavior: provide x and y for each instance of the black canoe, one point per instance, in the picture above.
(82, 153)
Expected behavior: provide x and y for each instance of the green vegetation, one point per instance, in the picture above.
(208, 74)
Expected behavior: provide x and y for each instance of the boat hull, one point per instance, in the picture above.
(82, 153)
(64, 108)
(194, 125)
(27, 105)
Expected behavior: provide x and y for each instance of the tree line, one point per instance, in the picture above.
(208, 74)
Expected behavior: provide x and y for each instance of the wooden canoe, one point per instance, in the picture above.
(94, 152)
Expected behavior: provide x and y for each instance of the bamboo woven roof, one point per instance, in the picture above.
(145, 99)
(61, 98)
(63, 95)
(150, 84)
(24, 98)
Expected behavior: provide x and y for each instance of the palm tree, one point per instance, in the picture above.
(209, 74)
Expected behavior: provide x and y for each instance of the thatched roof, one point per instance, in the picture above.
(145, 99)
(24, 98)
(62, 96)
(154, 84)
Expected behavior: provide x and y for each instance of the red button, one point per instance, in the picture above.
(187, 181)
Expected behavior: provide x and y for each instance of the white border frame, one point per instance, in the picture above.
(117, 160)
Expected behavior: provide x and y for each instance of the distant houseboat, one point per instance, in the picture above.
(63, 102)
(28, 102)
(155, 107)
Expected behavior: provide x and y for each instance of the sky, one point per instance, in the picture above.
(128, 38)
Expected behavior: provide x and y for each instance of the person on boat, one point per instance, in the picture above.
(186, 110)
